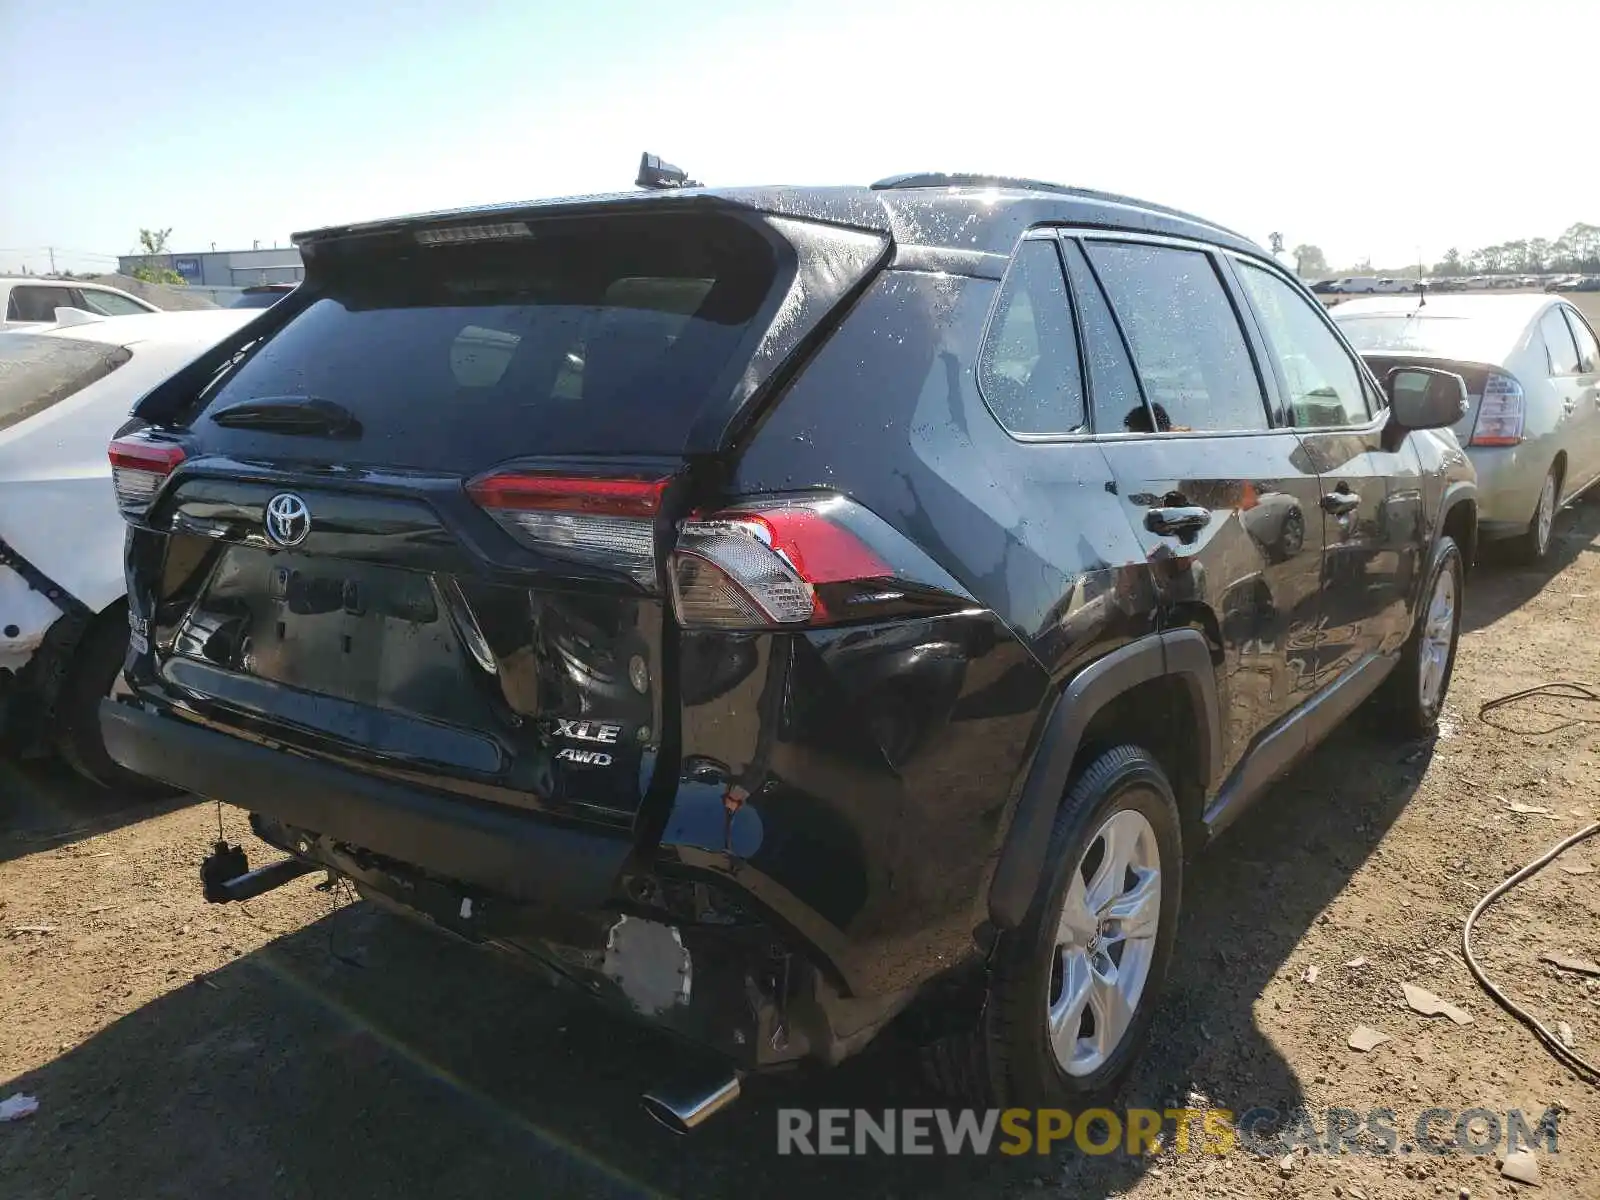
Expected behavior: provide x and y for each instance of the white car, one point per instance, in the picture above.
(64, 392)
(28, 302)
(1532, 367)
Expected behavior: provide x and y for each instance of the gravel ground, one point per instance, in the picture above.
(300, 1046)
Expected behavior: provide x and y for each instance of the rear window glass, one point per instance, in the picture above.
(36, 372)
(587, 337)
(1489, 338)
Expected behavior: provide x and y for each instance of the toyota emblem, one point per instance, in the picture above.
(288, 519)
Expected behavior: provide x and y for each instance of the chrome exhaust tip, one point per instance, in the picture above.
(682, 1108)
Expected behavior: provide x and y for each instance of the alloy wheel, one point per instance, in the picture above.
(1105, 943)
(1545, 515)
(1438, 636)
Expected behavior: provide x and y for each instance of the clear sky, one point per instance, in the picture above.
(1369, 128)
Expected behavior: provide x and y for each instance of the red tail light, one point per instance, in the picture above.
(599, 522)
(797, 563)
(1501, 412)
(138, 469)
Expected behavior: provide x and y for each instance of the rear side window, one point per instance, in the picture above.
(31, 302)
(1188, 348)
(1558, 343)
(109, 304)
(600, 336)
(36, 372)
(1324, 384)
(1588, 348)
(1028, 369)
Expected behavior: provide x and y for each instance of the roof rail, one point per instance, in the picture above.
(941, 179)
(937, 179)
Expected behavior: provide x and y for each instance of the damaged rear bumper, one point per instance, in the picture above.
(683, 954)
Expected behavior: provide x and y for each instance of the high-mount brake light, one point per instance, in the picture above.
(597, 522)
(138, 469)
(1501, 412)
(456, 235)
(773, 565)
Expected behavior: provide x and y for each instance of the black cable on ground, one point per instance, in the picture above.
(1565, 689)
(1581, 1067)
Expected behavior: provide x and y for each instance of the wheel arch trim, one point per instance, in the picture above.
(1182, 653)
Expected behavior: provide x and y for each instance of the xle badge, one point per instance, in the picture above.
(589, 731)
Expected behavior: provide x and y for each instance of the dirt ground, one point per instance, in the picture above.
(297, 1045)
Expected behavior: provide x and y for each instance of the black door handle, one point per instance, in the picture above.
(1340, 504)
(1178, 520)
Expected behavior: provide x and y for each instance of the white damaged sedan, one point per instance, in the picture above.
(64, 392)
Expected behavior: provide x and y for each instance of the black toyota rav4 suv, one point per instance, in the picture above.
(768, 608)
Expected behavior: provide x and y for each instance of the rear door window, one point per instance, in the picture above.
(109, 304)
(1324, 384)
(38, 371)
(1028, 370)
(1188, 347)
(1558, 343)
(1588, 348)
(37, 302)
(1114, 391)
(587, 337)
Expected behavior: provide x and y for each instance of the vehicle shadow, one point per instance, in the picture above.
(1501, 585)
(45, 804)
(435, 1069)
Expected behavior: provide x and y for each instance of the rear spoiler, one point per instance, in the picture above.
(644, 203)
(1473, 372)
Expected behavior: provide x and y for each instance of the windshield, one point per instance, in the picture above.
(1487, 338)
(36, 372)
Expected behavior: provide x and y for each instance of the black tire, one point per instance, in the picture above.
(96, 663)
(1007, 1059)
(1410, 715)
(1532, 546)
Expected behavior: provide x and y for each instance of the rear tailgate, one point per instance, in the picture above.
(419, 525)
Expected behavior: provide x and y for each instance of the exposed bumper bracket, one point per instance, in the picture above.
(225, 876)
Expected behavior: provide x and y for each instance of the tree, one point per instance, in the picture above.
(153, 245)
(1309, 260)
(1450, 264)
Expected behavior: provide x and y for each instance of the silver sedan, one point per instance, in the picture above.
(1532, 366)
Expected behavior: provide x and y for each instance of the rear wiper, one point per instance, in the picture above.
(291, 415)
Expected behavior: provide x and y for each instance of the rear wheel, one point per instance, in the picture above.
(1074, 989)
(1416, 689)
(95, 674)
(1533, 545)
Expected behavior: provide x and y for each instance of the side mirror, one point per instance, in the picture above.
(1425, 398)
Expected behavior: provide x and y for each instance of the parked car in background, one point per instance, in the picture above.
(753, 604)
(1323, 287)
(262, 295)
(27, 301)
(1532, 367)
(1354, 285)
(63, 625)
